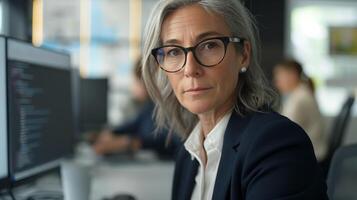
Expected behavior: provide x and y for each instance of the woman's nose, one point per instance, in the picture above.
(192, 68)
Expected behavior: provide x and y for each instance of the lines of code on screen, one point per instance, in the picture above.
(40, 114)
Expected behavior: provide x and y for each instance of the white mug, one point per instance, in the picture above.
(76, 181)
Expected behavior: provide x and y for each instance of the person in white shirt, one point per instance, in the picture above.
(201, 68)
(299, 103)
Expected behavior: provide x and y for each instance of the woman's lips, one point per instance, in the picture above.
(197, 90)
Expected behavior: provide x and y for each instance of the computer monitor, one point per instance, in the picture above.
(39, 109)
(93, 103)
(3, 117)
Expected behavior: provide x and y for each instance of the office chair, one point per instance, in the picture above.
(342, 176)
(338, 132)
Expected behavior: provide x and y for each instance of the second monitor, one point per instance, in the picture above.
(93, 103)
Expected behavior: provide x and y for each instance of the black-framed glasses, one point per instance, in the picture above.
(208, 53)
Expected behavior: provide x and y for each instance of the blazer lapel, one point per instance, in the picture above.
(231, 141)
(189, 182)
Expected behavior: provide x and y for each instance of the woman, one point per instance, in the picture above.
(299, 103)
(200, 66)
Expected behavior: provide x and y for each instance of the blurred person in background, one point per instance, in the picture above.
(201, 67)
(299, 103)
(139, 132)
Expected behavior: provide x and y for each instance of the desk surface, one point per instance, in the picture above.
(151, 180)
(144, 177)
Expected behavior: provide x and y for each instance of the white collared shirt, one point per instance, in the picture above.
(206, 175)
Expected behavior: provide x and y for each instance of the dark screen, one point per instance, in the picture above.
(40, 115)
(93, 103)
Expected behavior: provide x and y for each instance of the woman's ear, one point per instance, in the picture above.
(244, 59)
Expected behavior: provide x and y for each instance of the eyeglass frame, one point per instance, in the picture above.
(226, 40)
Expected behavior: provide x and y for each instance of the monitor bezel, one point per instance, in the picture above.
(5, 181)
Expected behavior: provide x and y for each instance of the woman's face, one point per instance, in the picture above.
(203, 90)
(285, 80)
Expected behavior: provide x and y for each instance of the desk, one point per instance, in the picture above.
(146, 181)
(144, 177)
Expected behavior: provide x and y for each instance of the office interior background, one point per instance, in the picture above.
(104, 39)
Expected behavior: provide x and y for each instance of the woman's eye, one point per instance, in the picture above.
(210, 45)
(174, 52)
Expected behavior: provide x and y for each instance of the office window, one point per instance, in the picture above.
(103, 37)
(311, 25)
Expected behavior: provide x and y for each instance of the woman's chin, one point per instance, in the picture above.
(198, 107)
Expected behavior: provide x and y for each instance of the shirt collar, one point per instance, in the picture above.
(214, 139)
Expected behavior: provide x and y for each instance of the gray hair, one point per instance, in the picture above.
(253, 90)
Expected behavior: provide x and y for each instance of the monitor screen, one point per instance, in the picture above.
(3, 117)
(93, 103)
(40, 109)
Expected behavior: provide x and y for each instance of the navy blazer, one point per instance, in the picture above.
(264, 156)
(143, 127)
